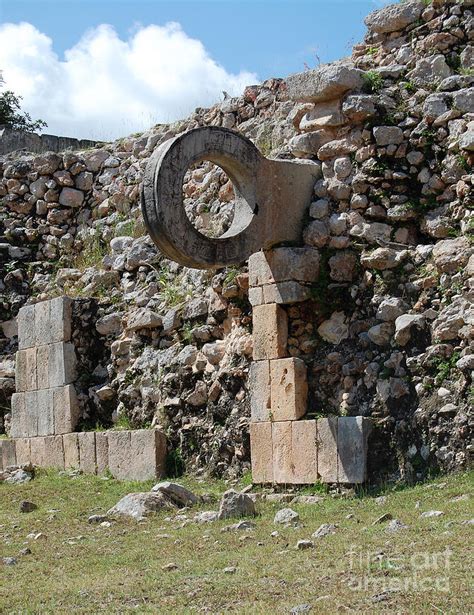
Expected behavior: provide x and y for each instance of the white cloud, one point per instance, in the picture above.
(106, 87)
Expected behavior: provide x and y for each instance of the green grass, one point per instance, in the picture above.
(93, 251)
(82, 568)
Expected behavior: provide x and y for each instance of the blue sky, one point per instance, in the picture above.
(248, 39)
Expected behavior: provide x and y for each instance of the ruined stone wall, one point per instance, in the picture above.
(13, 140)
(385, 330)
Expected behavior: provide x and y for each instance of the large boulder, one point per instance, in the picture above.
(178, 494)
(324, 83)
(429, 70)
(236, 504)
(394, 17)
(451, 254)
(405, 324)
(140, 505)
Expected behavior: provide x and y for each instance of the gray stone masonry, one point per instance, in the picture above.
(45, 403)
(286, 448)
(127, 455)
(331, 450)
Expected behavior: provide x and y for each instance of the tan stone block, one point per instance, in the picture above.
(8, 453)
(42, 369)
(25, 370)
(102, 451)
(66, 409)
(286, 292)
(60, 319)
(270, 332)
(31, 413)
(289, 389)
(304, 452)
(256, 296)
(71, 450)
(327, 449)
(45, 412)
(26, 327)
(352, 436)
(147, 454)
(261, 452)
(54, 452)
(62, 364)
(42, 323)
(282, 450)
(19, 423)
(282, 264)
(23, 452)
(119, 453)
(38, 451)
(259, 389)
(87, 456)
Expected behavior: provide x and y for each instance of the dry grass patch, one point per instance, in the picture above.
(82, 568)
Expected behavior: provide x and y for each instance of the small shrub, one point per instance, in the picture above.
(373, 82)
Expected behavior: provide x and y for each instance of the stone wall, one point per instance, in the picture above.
(386, 329)
(45, 409)
(13, 140)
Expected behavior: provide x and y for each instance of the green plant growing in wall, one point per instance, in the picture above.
(93, 251)
(373, 82)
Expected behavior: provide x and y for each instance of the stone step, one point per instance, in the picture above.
(128, 455)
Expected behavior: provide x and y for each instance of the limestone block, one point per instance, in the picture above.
(256, 296)
(71, 450)
(62, 364)
(45, 412)
(8, 453)
(60, 319)
(26, 327)
(23, 451)
(289, 389)
(352, 436)
(19, 422)
(42, 367)
(304, 452)
(282, 459)
(327, 82)
(25, 370)
(119, 454)
(42, 323)
(54, 452)
(102, 451)
(286, 292)
(87, 457)
(31, 413)
(38, 452)
(147, 454)
(261, 452)
(259, 388)
(65, 408)
(283, 264)
(327, 449)
(270, 332)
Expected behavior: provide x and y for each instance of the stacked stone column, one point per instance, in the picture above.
(45, 409)
(286, 448)
(45, 403)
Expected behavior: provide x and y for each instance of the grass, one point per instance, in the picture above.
(82, 568)
(93, 251)
(172, 289)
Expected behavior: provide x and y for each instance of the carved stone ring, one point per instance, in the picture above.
(271, 198)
